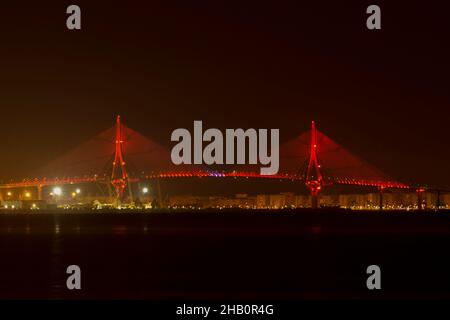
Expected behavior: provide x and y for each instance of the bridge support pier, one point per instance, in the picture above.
(314, 200)
(420, 193)
(380, 205)
(314, 189)
(39, 192)
(381, 199)
(438, 200)
(380, 194)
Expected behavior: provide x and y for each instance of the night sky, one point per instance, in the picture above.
(383, 94)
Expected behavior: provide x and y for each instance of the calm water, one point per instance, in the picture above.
(225, 255)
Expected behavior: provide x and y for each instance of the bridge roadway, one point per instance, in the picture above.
(43, 182)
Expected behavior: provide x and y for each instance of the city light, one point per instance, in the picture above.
(57, 191)
(27, 194)
(145, 190)
(9, 193)
(77, 191)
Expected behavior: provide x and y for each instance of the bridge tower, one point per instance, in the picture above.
(313, 178)
(119, 174)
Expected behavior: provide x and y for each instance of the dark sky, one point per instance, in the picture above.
(384, 94)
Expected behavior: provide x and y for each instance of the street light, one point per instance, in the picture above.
(145, 190)
(27, 194)
(57, 191)
(78, 191)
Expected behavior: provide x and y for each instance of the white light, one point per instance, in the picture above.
(78, 191)
(145, 190)
(57, 191)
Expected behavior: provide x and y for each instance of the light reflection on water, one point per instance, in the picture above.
(182, 256)
(57, 265)
(57, 228)
(120, 230)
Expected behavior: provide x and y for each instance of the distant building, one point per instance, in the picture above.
(391, 200)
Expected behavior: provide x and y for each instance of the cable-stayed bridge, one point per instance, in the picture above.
(120, 156)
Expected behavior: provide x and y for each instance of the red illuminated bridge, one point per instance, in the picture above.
(120, 156)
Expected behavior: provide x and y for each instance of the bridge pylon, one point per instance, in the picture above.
(314, 180)
(119, 176)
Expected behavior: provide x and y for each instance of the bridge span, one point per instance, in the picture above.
(312, 158)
